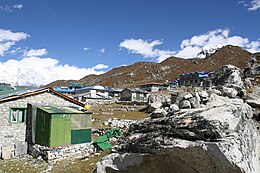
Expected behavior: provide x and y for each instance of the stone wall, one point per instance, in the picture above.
(14, 135)
(60, 153)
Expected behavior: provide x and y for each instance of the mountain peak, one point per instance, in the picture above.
(206, 51)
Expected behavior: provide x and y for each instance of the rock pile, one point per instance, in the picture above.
(218, 138)
(63, 152)
(200, 132)
(122, 123)
(122, 108)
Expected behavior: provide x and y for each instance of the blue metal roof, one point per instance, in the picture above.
(67, 90)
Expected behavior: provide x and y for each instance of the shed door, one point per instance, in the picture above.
(60, 130)
(42, 131)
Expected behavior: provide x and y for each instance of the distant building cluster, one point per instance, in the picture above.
(194, 79)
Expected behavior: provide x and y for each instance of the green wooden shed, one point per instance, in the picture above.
(62, 126)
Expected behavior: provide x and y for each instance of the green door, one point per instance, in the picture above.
(60, 130)
(42, 129)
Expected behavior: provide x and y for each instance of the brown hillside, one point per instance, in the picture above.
(143, 72)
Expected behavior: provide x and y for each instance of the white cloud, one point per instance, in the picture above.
(100, 66)
(146, 48)
(18, 6)
(37, 71)
(9, 9)
(86, 48)
(189, 48)
(252, 5)
(9, 38)
(36, 52)
(5, 8)
(101, 51)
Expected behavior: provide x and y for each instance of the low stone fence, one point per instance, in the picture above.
(131, 102)
(95, 102)
(53, 154)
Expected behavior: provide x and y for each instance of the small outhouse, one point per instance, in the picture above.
(60, 126)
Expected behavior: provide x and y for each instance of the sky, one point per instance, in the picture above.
(45, 40)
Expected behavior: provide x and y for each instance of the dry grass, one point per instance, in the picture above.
(101, 116)
(31, 165)
(87, 165)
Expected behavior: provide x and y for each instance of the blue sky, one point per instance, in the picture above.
(93, 36)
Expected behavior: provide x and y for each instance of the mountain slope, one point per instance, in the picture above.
(143, 72)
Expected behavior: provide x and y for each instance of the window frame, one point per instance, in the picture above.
(23, 109)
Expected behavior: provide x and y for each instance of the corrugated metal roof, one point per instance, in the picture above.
(6, 91)
(62, 110)
(39, 91)
(67, 90)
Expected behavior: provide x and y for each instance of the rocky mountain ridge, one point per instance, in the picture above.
(168, 70)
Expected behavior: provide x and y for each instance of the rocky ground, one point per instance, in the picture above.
(212, 130)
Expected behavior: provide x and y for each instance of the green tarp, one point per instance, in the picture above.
(102, 141)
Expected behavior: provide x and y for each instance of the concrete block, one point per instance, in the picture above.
(20, 148)
(6, 152)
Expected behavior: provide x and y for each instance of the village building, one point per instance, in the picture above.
(194, 79)
(84, 93)
(155, 87)
(134, 94)
(43, 117)
(115, 92)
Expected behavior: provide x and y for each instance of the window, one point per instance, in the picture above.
(17, 115)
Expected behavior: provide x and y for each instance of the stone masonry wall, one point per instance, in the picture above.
(13, 136)
(63, 152)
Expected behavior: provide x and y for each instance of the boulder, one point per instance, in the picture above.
(228, 74)
(153, 106)
(187, 96)
(195, 101)
(185, 104)
(219, 138)
(230, 92)
(174, 108)
(203, 94)
(158, 113)
(157, 101)
(182, 96)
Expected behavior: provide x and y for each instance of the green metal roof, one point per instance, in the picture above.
(61, 110)
(7, 90)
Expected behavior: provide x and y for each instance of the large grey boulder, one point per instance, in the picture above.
(228, 74)
(174, 108)
(153, 106)
(218, 138)
(157, 101)
(195, 102)
(181, 96)
(230, 92)
(185, 104)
